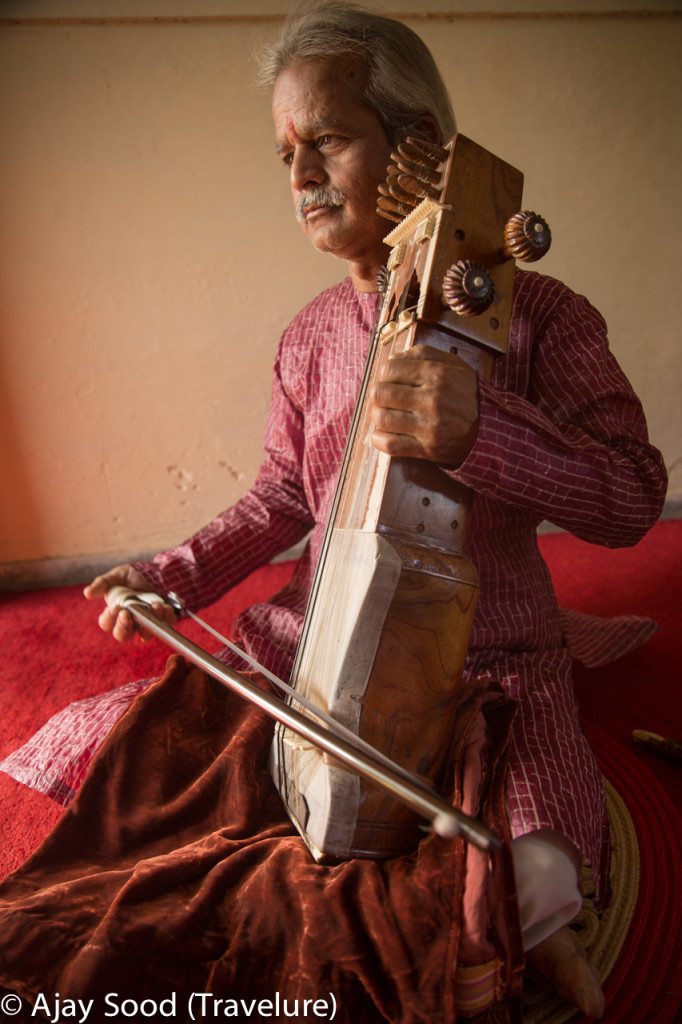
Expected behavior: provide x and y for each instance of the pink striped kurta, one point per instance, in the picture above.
(562, 437)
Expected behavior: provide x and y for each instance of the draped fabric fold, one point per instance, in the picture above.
(597, 640)
(175, 870)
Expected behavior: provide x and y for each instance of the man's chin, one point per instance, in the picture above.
(324, 238)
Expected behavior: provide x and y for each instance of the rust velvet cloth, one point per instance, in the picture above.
(176, 870)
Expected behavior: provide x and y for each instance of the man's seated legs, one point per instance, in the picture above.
(547, 868)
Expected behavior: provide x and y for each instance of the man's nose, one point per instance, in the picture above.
(306, 169)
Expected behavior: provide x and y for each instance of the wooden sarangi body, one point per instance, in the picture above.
(387, 626)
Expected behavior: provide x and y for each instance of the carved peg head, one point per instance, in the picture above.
(526, 236)
(468, 288)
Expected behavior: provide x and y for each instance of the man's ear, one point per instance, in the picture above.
(426, 127)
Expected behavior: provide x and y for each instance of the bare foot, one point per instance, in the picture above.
(562, 960)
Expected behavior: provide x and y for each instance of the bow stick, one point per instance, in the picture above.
(446, 821)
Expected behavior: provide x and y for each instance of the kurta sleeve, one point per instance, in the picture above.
(574, 449)
(272, 516)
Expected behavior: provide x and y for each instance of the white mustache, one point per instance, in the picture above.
(320, 195)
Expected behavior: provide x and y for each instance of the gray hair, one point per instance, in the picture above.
(402, 83)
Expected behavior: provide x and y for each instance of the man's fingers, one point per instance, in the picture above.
(145, 634)
(393, 396)
(125, 627)
(118, 622)
(107, 619)
(98, 588)
(169, 616)
(397, 445)
(394, 421)
(402, 370)
(414, 366)
(119, 576)
(165, 613)
(429, 353)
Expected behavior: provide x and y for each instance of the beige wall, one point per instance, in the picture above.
(150, 258)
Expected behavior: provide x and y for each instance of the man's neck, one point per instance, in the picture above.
(364, 275)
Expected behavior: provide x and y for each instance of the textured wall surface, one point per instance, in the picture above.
(150, 257)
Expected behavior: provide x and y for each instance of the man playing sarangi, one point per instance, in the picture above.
(556, 433)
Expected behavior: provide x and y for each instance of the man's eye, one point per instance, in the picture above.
(325, 140)
(287, 159)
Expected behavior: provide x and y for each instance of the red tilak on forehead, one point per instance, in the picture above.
(292, 135)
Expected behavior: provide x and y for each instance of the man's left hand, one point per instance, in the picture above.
(426, 406)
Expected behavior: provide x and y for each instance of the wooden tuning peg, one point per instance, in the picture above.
(418, 188)
(427, 152)
(391, 210)
(468, 288)
(415, 173)
(526, 236)
(383, 275)
(395, 188)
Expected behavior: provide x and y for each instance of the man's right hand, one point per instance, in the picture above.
(118, 621)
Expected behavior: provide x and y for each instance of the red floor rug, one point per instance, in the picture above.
(53, 653)
(644, 985)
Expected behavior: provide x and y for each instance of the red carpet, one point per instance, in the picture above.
(644, 985)
(54, 653)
